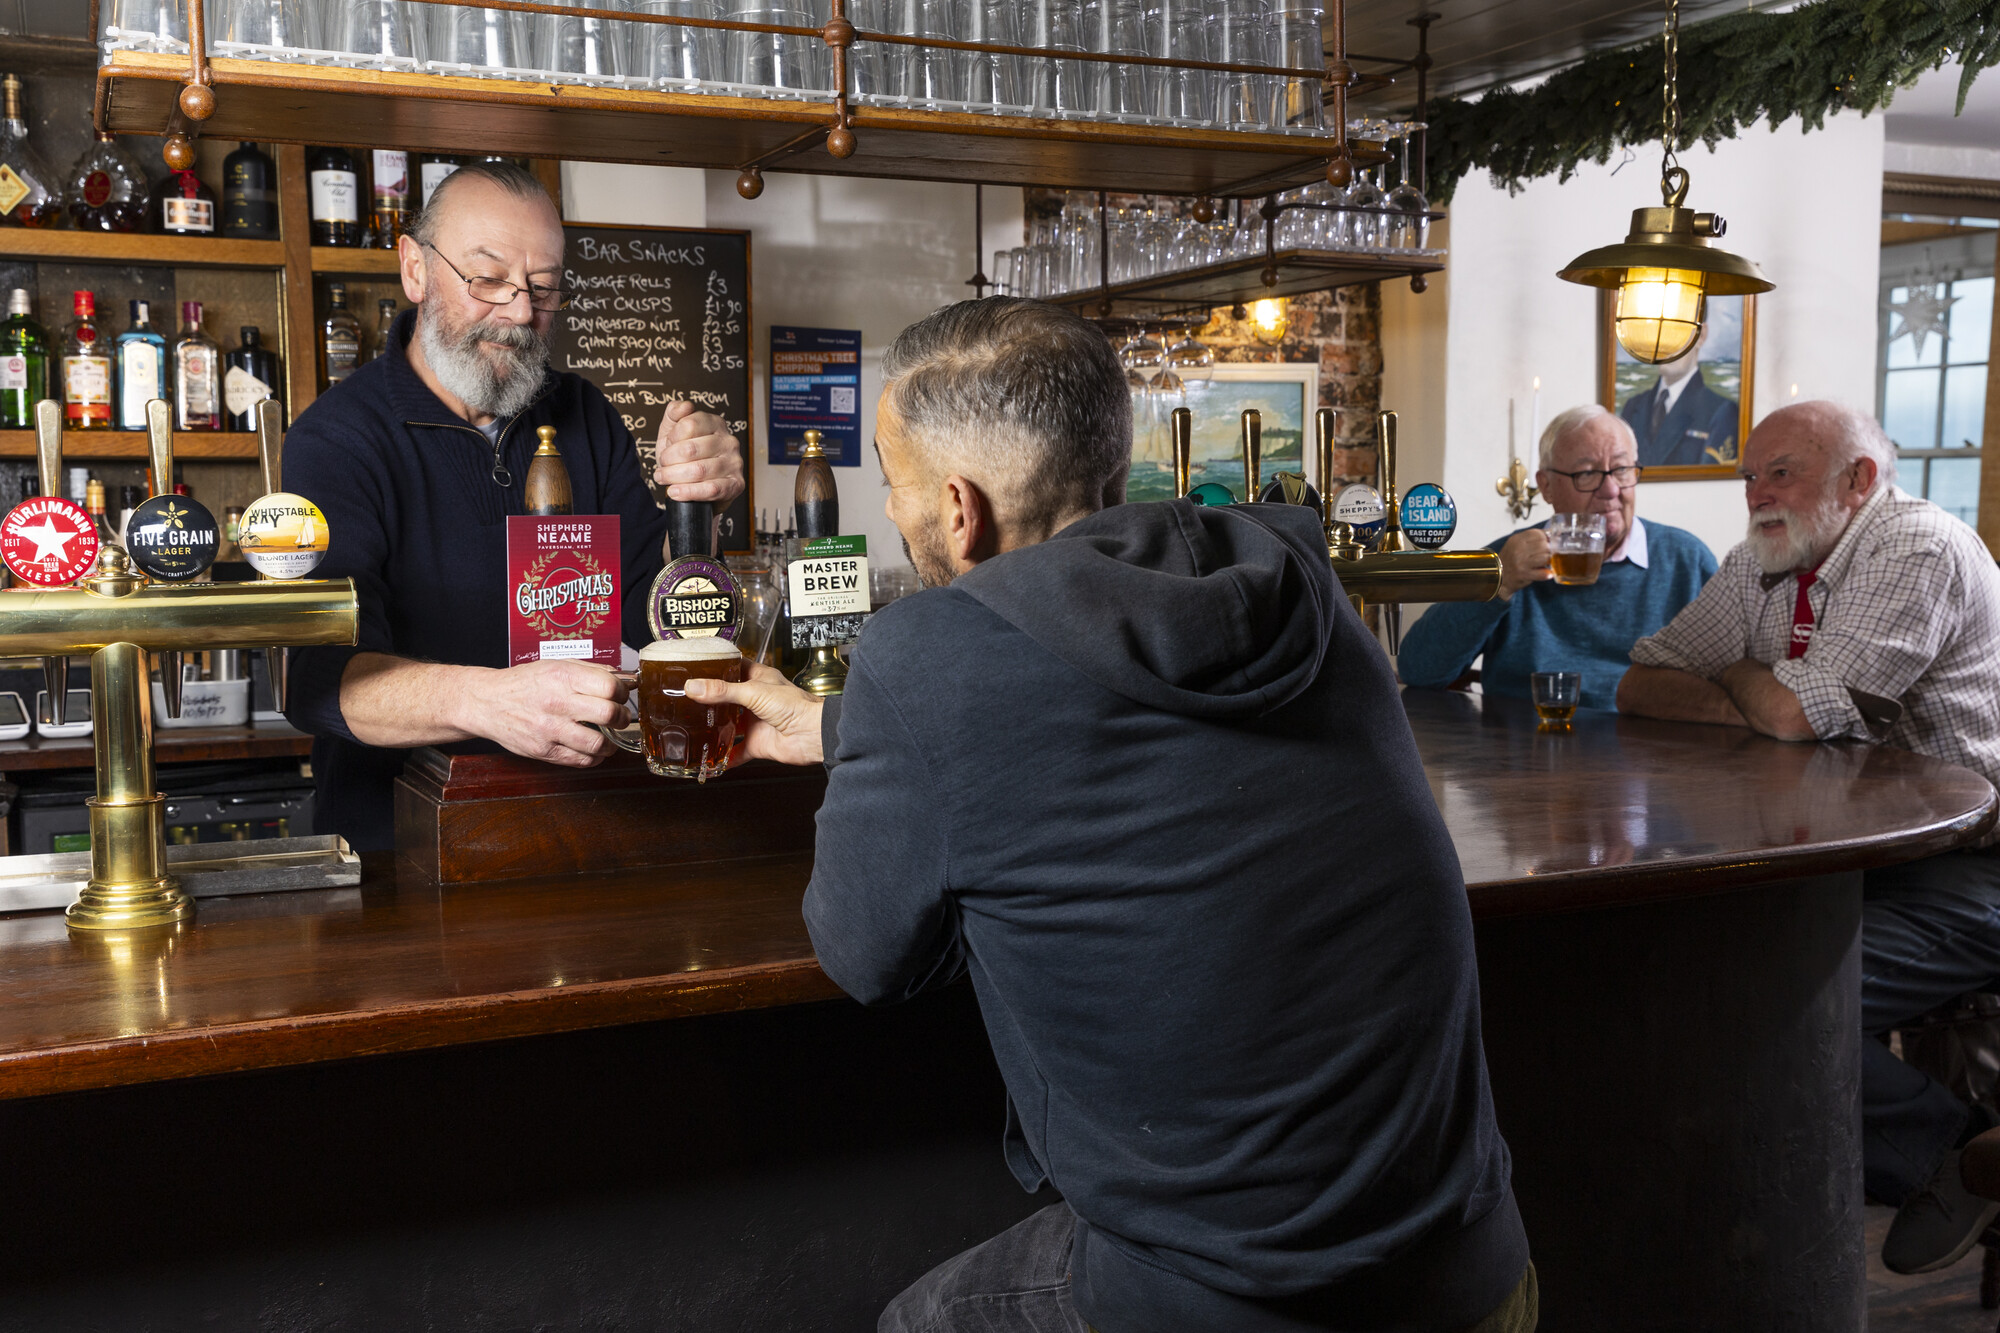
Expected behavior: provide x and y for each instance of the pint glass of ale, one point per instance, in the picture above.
(680, 737)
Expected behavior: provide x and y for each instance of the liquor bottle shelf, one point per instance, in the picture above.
(342, 261)
(275, 102)
(1241, 281)
(96, 247)
(97, 444)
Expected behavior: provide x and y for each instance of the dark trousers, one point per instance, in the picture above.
(1018, 1282)
(1930, 931)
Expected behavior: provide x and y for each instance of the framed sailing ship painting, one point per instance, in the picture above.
(1284, 394)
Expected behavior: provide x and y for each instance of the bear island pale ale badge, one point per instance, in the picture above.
(48, 541)
(563, 593)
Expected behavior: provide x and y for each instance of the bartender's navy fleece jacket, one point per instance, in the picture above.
(414, 517)
(1151, 784)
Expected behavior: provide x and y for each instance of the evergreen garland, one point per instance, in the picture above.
(1826, 56)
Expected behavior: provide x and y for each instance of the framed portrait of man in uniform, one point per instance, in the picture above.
(1690, 414)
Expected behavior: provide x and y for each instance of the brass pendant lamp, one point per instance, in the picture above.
(1670, 264)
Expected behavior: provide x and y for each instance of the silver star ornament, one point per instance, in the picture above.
(1922, 312)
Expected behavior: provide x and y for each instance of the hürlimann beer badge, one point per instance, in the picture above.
(695, 597)
(172, 537)
(48, 541)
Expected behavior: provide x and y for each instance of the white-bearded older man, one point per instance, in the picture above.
(1854, 611)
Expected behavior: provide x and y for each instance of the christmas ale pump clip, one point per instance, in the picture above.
(121, 617)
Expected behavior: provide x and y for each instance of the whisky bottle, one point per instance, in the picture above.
(24, 363)
(141, 355)
(197, 374)
(30, 194)
(339, 338)
(336, 197)
(86, 369)
(391, 194)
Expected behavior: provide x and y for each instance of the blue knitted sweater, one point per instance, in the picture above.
(1548, 627)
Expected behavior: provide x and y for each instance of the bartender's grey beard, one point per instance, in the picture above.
(930, 557)
(487, 380)
(1809, 536)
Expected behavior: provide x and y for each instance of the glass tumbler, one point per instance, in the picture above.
(1294, 40)
(781, 64)
(381, 34)
(274, 26)
(487, 41)
(1119, 92)
(1556, 695)
(929, 74)
(992, 83)
(1240, 36)
(873, 70)
(1061, 87)
(145, 25)
(673, 56)
(1178, 30)
(575, 49)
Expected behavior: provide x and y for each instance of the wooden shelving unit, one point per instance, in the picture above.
(114, 248)
(345, 261)
(1241, 280)
(85, 445)
(272, 101)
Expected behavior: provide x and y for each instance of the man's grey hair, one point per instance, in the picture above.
(1027, 400)
(1852, 435)
(509, 177)
(1570, 420)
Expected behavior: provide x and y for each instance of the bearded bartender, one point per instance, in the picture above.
(418, 457)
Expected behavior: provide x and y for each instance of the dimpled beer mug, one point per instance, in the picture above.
(1576, 547)
(680, 737)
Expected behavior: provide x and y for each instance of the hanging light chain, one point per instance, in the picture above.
(1670, 91)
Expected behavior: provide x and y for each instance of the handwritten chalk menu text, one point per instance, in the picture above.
(659, 314)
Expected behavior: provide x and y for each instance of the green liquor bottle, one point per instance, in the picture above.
(24, 363)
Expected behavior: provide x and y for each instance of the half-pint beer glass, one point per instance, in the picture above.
(680, 737)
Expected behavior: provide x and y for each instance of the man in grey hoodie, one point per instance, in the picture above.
(1141, 773)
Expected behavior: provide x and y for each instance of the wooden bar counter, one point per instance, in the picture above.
(629, 1098)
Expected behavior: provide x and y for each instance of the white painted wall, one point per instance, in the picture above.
(830, 252)
(1506, 318)
(638, 195)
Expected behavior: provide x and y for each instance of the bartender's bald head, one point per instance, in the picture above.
(487, 225)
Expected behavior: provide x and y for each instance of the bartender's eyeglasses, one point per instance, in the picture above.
(1591, 479)
(498, 291)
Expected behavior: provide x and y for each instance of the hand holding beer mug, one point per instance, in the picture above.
(1576, 547)
(683, 737)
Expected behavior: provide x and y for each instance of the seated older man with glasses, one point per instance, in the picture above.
(1589, 465)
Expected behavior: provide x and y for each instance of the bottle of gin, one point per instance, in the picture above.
(86, 368)
(249, 195)
(30, 194)
(197, 374)
(339, 338)
(142, 369)
(249, 377)
(24, 362)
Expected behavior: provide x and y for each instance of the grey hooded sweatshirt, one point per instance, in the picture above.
(1150, 783)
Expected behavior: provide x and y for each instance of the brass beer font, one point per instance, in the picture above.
(48, 466)
(117, 616)
(1395, 574)
(1182, 425)
(1253, 451)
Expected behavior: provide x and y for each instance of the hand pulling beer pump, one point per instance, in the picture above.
(118, 616)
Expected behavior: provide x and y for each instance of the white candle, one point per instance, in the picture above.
(1535, 420)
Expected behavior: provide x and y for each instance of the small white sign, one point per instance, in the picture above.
(831, 579)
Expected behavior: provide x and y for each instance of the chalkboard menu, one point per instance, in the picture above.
(662, 313)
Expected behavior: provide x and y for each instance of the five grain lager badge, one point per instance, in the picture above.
(829, 591)
(173, 537)
(563, 594)
(283, 536)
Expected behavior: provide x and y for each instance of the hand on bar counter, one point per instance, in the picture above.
(696, 457)
(785, 720)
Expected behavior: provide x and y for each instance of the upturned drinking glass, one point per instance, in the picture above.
(874, 70)
(1409, 227)
(676, 58)
(575, 49)
(272, 28)
(487, 40)
(381, 33)
(1240, 36)
(1294, 41)
(1178, 30)
(992, 83)
(1061, 87)
(1119, 92)
(146, 25)
(781, 64)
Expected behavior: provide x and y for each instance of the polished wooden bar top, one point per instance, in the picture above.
(1615, 810)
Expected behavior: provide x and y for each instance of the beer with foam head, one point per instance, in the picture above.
(684, 738)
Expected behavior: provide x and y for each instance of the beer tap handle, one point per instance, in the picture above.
(271, 459)
(690, 527)
(270, 445)
(1253, 451)
(1183, 432)
(1323, 428)
(1392, 626)
(48, 445)
(1392, 502)
(160, 449)
(48, 463)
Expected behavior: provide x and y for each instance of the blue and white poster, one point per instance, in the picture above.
(816, 385)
